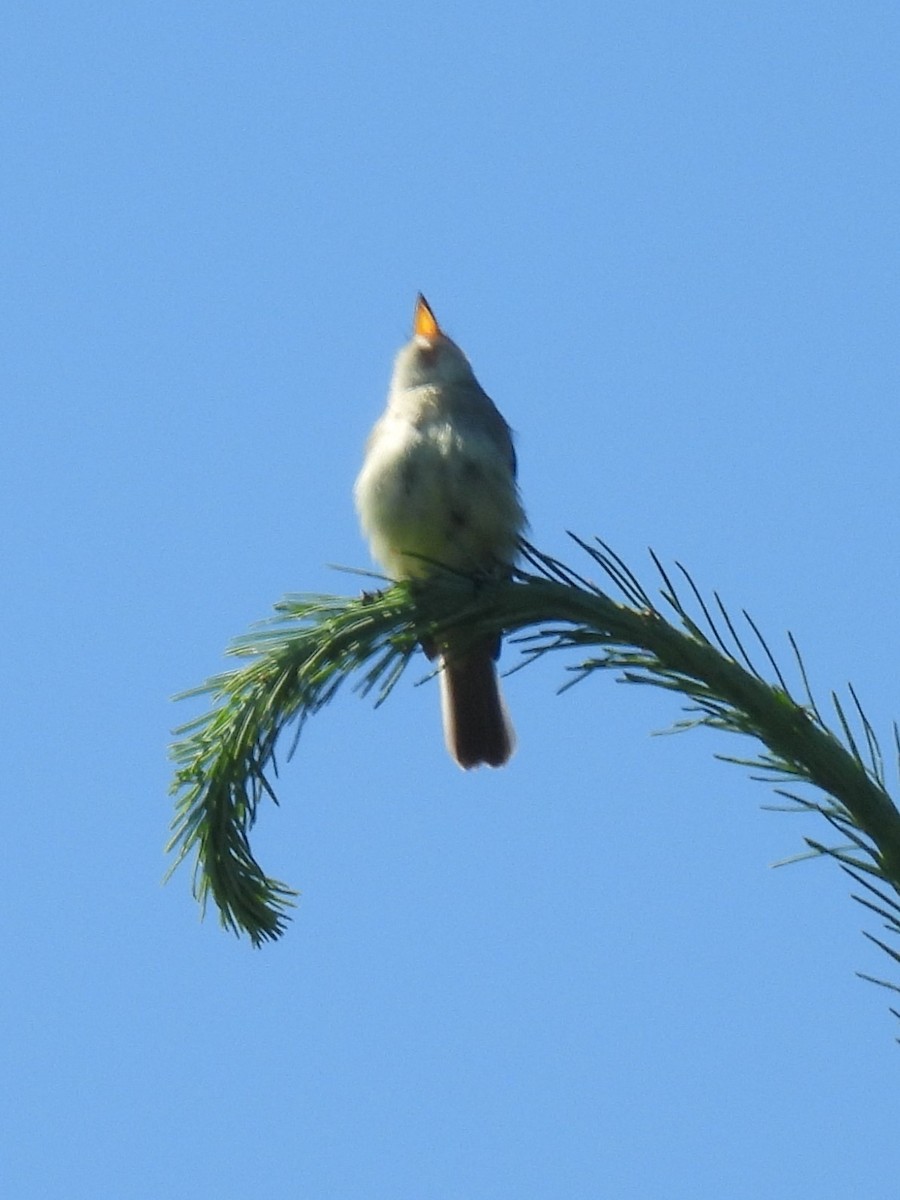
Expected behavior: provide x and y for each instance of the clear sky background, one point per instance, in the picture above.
(667, 236)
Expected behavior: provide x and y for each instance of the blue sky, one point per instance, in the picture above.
(667, 237)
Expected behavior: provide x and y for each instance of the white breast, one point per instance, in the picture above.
(437, 489)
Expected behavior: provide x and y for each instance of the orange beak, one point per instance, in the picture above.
(424, 322)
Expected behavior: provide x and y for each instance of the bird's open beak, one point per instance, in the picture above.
(424, 322)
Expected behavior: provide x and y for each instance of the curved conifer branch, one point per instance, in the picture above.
(225, 760)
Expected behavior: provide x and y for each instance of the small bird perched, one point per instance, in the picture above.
(438, 486)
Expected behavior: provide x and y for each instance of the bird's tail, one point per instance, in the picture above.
(477, 728)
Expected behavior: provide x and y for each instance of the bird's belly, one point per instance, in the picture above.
(438, 497)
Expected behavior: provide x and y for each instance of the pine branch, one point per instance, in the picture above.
(225, 760)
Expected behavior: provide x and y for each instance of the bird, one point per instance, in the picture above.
(437, 490)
